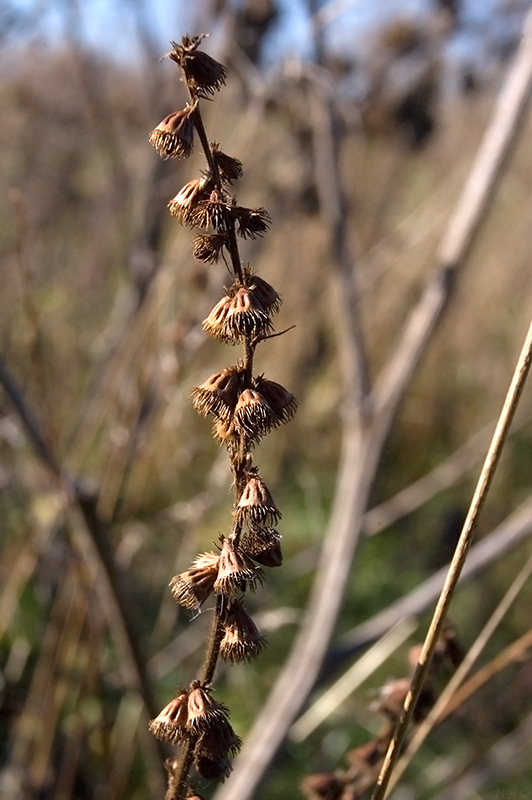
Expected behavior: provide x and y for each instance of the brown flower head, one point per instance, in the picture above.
(323, 786)
(230, 169)
(207, 247)
(184, 204)
(236, 571)
(171, 724)
(256, 503)
(204, 75)
(213, 769)
(218, 394)
(280, 400)
(263, 545)
(214, 211)
(241, 640)
(203, 711)
(238, 316)
(191, 588)
(174, 136)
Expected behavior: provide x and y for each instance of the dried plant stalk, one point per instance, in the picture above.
(245, 407)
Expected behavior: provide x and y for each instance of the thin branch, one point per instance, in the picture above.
(479, 497)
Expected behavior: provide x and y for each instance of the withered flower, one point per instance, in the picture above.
(174, 136)
(230, 169)
(213, 211)
(253, 415)
(204, 75)
(171, 724)
(207, 247)
(263, 545)
(256, 503)
(280, 400)
(236, 571)
(218, 394)
(191, 588)
(237, 316)
(241, 640)
(203, 710)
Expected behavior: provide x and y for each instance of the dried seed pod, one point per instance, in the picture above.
(171, 724)
(251, 222)
(207, 247)
(204, 75)
(204, 711)
(280, 400)
(213, 769)
(191, 588)
(236, 571)
(213, 211)
(218, 741)
(256, 503)
(262, 291)
(183, 205)
(174, 136)
(218, 394)
(241, 640)
(253, 415)
(230, 169)
(263, 545)
(237, 316)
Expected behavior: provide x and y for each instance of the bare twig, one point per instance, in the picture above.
(479, 497)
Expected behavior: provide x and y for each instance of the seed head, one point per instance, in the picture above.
(263, 545)
(237, 317)
(174, 136)
(219, 741)
(203, 711)
(256, 503)
(213, 769)
(280, 400)
(171, 724)
(262, 291)
(191, 588)
(207, 247)
(236, 571)
(186, 200)
(242, 640)
(204, 75)
(218, 394)
(230, 169)
(251, 222)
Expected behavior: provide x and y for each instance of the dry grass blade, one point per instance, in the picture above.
(479, 497)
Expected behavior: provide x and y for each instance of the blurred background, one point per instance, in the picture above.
(101, 306)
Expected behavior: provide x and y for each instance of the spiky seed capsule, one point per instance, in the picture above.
(230, 169)
(203, 710)
(207, 247)
(253, 415)
(256, 504)
(204, 75)
(213, 211)
(191, 588)
(264, 546)
(280, 400)
(218, 741)
(171, 724)
(213, 769)
(174, 136)
(183, 205)
(241, 640)
(236, 571)
(251, 222)
(262, 291)
(237, 316)
(218, 394)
